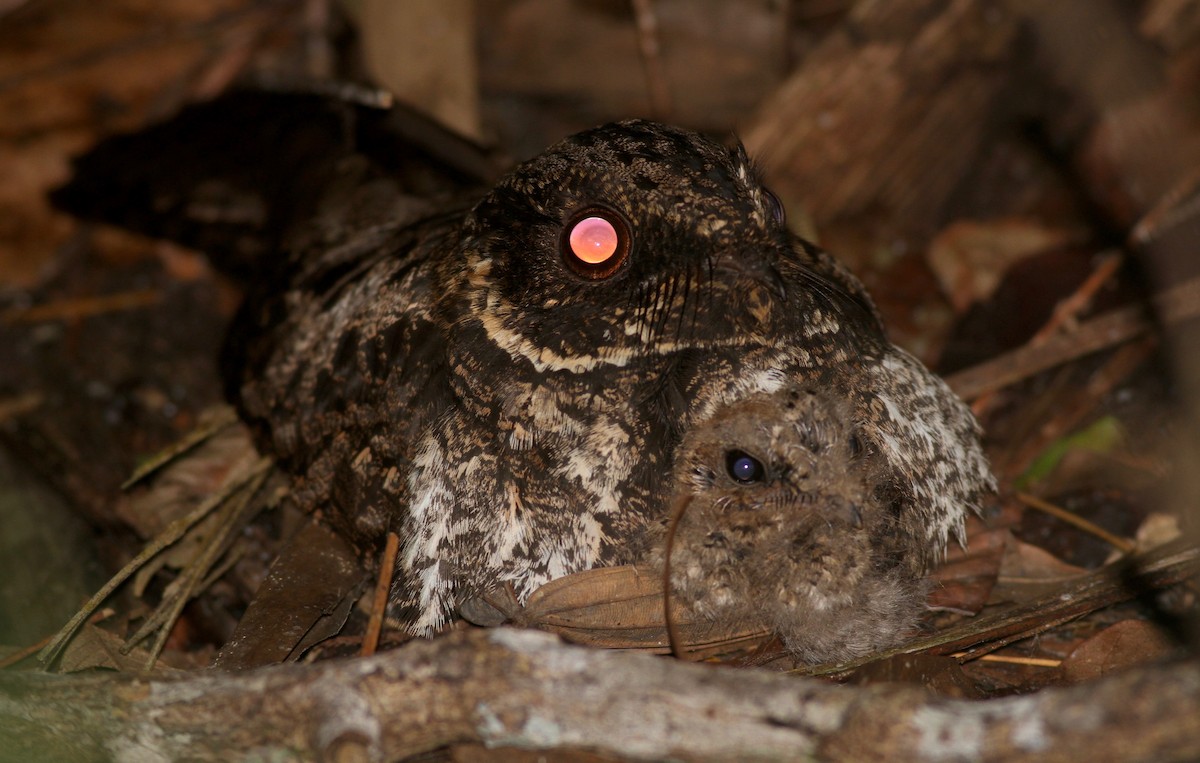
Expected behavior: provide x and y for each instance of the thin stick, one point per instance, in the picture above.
(1107, 330)
(33, 649)
(651, 53)
(1066, 313)
(1037, 662)
(223, 417)
(82, 307)
(12, 407)
(1122, 545)
(21, 654)
(171, 534)
(189, 581)
(383, 585)
(678, 648)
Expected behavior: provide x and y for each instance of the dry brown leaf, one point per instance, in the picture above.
(940, 674)
(93, 647)
(964, 581)
(1128, 643)
(423, 51)
(622, 608)
(971, 257)
(1028, 572)
(62, 85)
(1026, 563)
(306, 598)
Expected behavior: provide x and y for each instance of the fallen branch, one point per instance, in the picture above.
(513, 688)
(1110, 329)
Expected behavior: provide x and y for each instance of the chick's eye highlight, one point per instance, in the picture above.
(744, 468)
(596, 243)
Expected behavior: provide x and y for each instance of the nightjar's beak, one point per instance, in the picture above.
(757, 270)
(841, 508)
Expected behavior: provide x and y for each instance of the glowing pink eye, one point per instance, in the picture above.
(594, 240)
(596, 243)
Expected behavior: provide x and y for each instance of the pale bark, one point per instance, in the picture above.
(527, 689)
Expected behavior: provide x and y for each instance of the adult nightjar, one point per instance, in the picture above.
(504, 381)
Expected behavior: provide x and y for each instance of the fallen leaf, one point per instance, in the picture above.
(1128, 643)
(1103, 436)
(622, 608)
(970, 258)
(93, 647)
(941, 675)
(964, 581)
(306, 598)
(1157, 529)
(1028, 572)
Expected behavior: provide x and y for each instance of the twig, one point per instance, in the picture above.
(1037, 662)
(12, 407)
(678, 646)
(22, 654)
(1111, 328)
(651, 53)
(1122, 545)
(33, 649)
(1067, 312)
(221, 418)
(183, 588)
(82, 307)
(168, 537)
(379, 605)
(1180, 204)
(995, 629)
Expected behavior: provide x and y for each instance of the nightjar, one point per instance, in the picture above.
(503, 380)
(504, 385)
(795, 523)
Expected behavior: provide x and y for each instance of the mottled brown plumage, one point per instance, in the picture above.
(796, 524)
(458, 372)
(457, 376)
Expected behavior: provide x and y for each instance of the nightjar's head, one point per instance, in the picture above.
(781, 458)
(629, 238)
(792, 526)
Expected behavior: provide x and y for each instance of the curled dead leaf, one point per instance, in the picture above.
(622, 608)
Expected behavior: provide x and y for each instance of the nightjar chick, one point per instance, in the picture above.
(505, 383)
(795, 524)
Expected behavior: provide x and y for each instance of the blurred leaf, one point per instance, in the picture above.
(1104, 436)
(1128, 643)
(970, 258)
(93, 647)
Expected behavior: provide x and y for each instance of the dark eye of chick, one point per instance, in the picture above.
(744, 468)
(777, 210)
